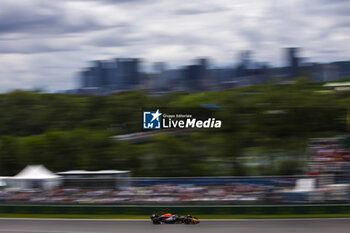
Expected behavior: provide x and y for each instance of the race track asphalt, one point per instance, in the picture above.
(206, 226)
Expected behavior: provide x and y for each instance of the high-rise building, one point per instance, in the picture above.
(196, 76)
(84, 78)
(119, 74)
(244, 64)
(128, 72)
(292, 62)
(159, 67)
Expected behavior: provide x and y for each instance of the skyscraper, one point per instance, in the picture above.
(292, 62)
(128, 72)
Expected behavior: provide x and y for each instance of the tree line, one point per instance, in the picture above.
(264, 131)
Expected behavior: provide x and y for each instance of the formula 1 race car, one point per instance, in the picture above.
(173, 219)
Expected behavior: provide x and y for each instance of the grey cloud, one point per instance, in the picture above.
(336, 8)
(124, 2)
(110, 41)
(33, 46)
(201, 9)
(44, 19)
(14, 18)
(172, 30)
(117, 37)
(331, 1)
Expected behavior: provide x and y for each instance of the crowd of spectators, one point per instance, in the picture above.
(234, 193)
(328, 164)
(329, 156)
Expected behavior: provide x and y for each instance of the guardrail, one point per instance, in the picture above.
(148, 210)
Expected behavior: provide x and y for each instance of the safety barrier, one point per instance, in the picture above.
(147, 210)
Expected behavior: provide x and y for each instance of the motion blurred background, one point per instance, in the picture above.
(75, 76)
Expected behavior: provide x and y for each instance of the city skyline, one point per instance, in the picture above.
(106, 77)
(45, 44)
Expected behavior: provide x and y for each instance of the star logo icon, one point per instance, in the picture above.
(156, 115)
(152, 119)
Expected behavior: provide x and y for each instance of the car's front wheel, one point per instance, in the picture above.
(187, 221)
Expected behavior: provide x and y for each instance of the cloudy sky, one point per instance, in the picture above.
(45, 43)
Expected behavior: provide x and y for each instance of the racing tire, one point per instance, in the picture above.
(187, 221)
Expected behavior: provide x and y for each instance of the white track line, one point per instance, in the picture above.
(75, 219)
(28, 231)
